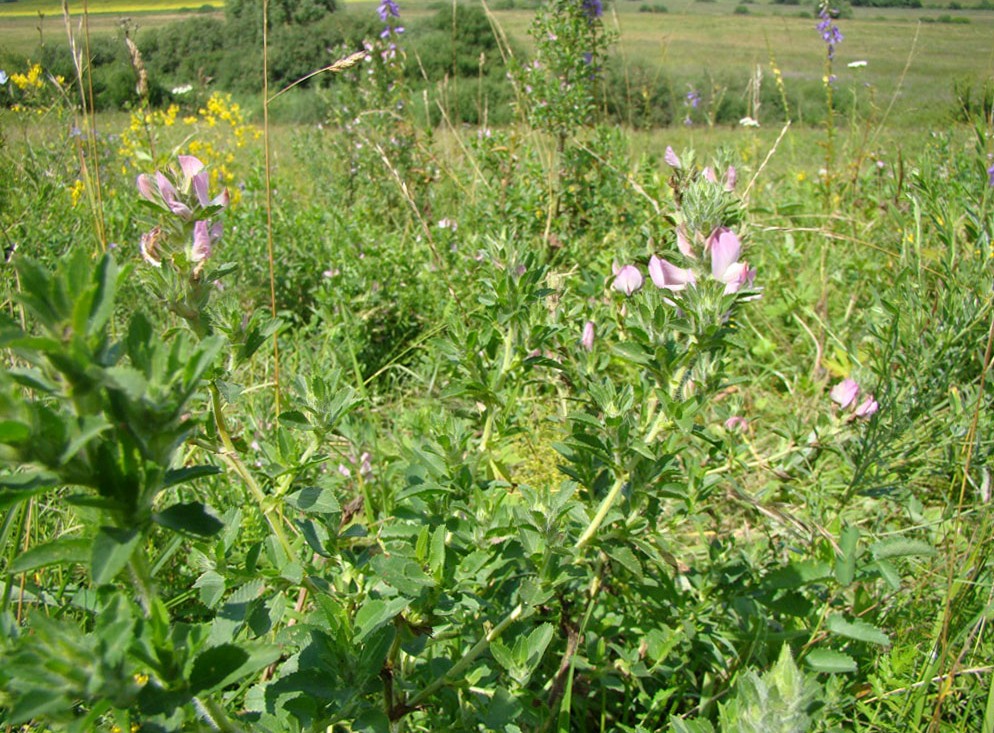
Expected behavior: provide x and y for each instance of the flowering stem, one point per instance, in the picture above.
(602, 511)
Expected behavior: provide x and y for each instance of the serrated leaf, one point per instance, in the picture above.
(211, 586)
(830, 662)
(192, 518)
(112, 548)
(315, 500)
(376, 612)
(857, 629)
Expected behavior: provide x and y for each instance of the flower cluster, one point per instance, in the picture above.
(830, 32)
(721, 245)
(844, 394)
(185, 195)
(388, 10)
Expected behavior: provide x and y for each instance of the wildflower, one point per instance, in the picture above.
(448, 224)
(205, 236)
(365, 465)
(3, 77)
(587, 338)
(593, 9)
(830, 32)
(737, 422)
(671, 158)
(182, 89)
(856, 64)
(748, 122)
(990, 173)
(844, 393)
(731, 176)
(867, 407)
(666, 275)
(725, 248)
(627, 279)
(683, 243)
(692, 99)
(149, 247)
(709, 175)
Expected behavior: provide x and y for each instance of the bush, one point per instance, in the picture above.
(741, 10)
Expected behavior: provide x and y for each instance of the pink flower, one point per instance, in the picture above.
(737, 422)
(725, 248)
(672, 159)
(190, 166)
(205, 236)
(844, 393)
(867, 407)
(627, 279)
(683, 243)
(709, 175)
(667, 275)
(730, 178)
(587, 338)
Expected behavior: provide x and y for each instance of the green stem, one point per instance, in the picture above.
(230, 456)
(469, 657)
(602, 510)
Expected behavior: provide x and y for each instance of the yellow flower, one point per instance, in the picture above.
(76, 191)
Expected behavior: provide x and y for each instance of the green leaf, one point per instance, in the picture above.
(402, 573)
(190, 473)
(192, 518)
(225, 664)
(62, 551)
(112, 548)
(13, 432)
(315, 500)
(901, 547)
(829, 661)
(211, 586)
(91, 427)
(295, 419)
(19, 487)
(103, 297)
(372, 721)
(858, 629)
(374, 613)
(845, 564)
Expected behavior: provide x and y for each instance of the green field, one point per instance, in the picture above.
(373, 420)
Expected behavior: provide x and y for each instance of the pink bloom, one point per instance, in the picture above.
(627, 279)
(149, 247)
(190, 166)
(737, 276)
(171, 197)
(587, 338)
(205, 236)
(671, 158)
(667, 275)
(725, 248)
(867, 407)
(730, 178)
(736, 422)
(683, 243)
(844, 392)
(709, 175)
(148, 189)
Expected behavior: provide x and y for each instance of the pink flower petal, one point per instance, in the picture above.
(844, 392)
(667, 275)
(627, 280)
(725, 248)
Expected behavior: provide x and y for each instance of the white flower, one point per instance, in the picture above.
(748, 122)
(856, 64)
(182, 89)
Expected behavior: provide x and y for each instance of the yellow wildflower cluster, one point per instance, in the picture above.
(31, 80)
(217, 124)
(76, 191)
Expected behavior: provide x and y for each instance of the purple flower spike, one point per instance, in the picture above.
(867, 407)
(587, 338)
(844, 393)
(627, 279)
(668, 276)
(990, 173)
